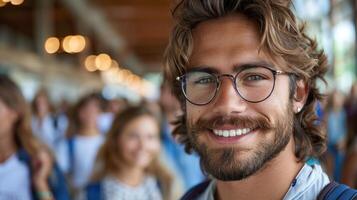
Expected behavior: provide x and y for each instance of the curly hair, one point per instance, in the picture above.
(279, 32)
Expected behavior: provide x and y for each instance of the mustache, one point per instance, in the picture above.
(216, 121)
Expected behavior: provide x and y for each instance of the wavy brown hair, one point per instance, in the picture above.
(280, 33)
(109, 159)
(12, 97)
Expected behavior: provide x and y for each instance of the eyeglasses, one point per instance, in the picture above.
(253, 84)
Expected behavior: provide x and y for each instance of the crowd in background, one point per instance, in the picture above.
(339, 115)
(111, 149)
(92, 149)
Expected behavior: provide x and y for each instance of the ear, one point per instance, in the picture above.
(300, 96)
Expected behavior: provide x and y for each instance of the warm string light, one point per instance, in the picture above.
(128, 79)
(103, 62)
(52, 45)
(73, 43)
(16, 2)
(2, 3)
(13, 2)
(70, 44)
(114, 74)
(89, 63)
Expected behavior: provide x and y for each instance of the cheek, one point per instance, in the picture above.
(153, 146)
(279, 99)
(273, 108)
(194, 112)
(129, 147)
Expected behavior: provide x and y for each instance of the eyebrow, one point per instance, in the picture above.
(236, 68)
(253, 64)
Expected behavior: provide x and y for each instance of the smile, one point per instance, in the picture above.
(231, 132)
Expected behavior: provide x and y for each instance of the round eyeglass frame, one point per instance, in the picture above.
(182, 79)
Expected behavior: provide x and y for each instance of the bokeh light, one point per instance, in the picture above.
(52, 45)
(77, 43)
(74, 43)
(103, 61)
(65, 44)
(2, 3)
(89, 63)
(17, 2)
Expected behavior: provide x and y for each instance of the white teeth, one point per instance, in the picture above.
(239, 132)
(232, 132)
(225, 133)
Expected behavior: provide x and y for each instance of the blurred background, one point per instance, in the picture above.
(66, 49)
(72, 47)
(116, 46)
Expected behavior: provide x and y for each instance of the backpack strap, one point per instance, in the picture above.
(71, 156)
(337, 191)
(94, 191)
(196, 191)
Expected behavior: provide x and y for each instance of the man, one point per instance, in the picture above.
(245, 73)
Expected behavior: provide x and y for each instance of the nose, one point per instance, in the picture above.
(142, 143)
(228, 101)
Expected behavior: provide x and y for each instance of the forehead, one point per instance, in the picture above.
(145, 122)
(228, 42)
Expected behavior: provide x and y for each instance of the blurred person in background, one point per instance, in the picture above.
(61, 118)
(27, 169)
(111, 108)
(83, 143)
(336, 122)
(117, 105)
(186, 166)
(128, 164)
(349, 175)
(43, 125)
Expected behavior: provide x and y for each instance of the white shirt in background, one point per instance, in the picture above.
(15, 182)
(85, 152)
(45, 131)
(115, 190)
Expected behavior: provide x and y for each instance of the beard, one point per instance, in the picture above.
(223, 164)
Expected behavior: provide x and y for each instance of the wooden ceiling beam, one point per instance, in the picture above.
(130, 2)
(138, 12)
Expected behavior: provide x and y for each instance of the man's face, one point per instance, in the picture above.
(223, 45)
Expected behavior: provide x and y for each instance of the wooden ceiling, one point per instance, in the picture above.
(144, 26)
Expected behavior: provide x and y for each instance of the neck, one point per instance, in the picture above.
(88, 131)
(273, 180)
(7, 147)
(131, 176)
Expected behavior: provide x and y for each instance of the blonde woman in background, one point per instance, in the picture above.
(128, 164)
